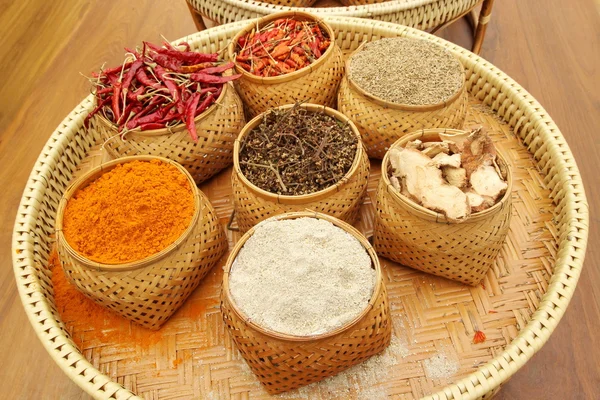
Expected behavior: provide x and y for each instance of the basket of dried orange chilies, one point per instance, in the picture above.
(172, 102)
(284, 58)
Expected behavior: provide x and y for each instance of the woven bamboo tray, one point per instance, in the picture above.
(421, 14)
(518, 306)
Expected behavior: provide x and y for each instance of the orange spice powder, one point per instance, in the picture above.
(97, 322)
(131, 212)
(91, 323)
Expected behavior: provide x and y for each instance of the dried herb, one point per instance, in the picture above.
(296, 151)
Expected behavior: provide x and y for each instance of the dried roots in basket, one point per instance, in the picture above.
(456, 176)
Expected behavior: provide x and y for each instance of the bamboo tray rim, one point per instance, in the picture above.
(496, 89)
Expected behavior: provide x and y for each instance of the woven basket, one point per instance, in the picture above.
(381, 122)
(342, 200)
(361, 2)
(284, 362)
(421, 14)
(291, 3)
(150, 290)
(217, 128)
(419, 238)
(547, 178)
(317, 83)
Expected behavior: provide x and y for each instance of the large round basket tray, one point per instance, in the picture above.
(421, 14)
(517, 306)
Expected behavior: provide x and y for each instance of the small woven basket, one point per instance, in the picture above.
(381, 122)
(317, 83)
(416, 237)
(150, 290)
(217, 128)
(342, 200)
(285, 362)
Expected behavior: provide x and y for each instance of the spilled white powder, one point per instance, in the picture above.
(301, 277)
(365, 381)
(440, 366)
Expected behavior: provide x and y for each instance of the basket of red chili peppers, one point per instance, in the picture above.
(286, 58)
(169, 101)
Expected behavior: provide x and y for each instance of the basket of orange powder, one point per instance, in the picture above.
(137, 236)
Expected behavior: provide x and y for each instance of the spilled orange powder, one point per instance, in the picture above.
(89, 322)
(129, 213)
(100, 324)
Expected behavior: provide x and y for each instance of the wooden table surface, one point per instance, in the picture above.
(551, 47)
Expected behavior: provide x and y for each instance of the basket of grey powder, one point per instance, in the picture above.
(304, 299)
(394, 86)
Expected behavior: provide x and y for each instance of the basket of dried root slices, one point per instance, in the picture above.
(443, 203)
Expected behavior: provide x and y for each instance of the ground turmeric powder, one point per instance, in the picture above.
(129, 213)
(91, 325)
(88, 321)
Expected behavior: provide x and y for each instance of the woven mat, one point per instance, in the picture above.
(434, 319)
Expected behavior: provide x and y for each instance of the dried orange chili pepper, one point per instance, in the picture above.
(281, 47)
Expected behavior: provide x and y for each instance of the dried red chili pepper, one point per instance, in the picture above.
(150, 126)
(115, 100)
(168, 62)
(160, 73)
(218, 70)
(101, 104)
(190, 115)
(206, 78)
(204, 105)
(479, 337)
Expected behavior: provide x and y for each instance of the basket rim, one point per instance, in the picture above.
(523, 112)
(366, 10)
(306, 338)
(304, 198)
(95, 173)
(174, 129)
(402, 106)
(273, 80)
(439, 217)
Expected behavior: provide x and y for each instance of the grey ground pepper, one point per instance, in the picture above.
(406, 71)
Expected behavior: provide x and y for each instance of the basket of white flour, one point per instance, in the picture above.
(304, 299)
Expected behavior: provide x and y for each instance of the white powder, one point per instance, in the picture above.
(366, 379)
(302, 277)
(440, 366)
